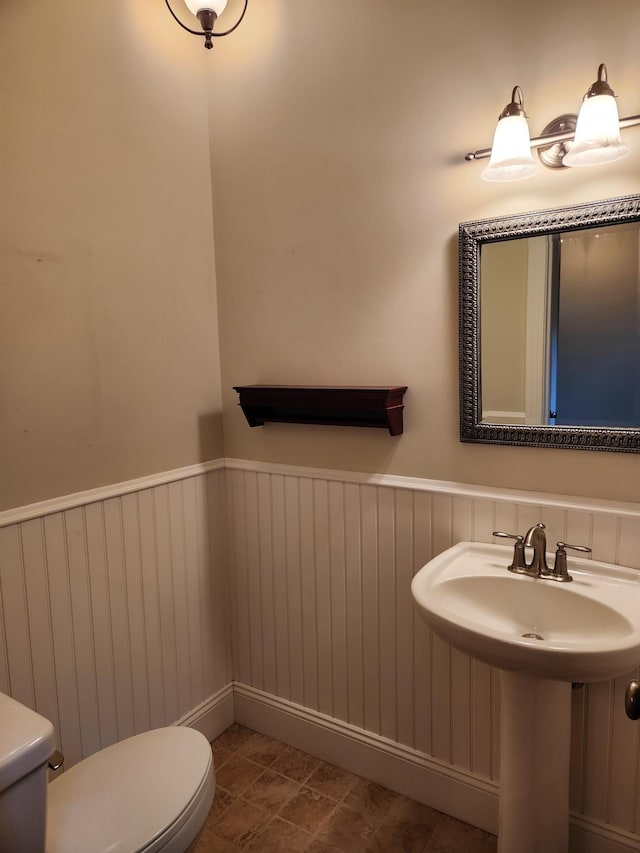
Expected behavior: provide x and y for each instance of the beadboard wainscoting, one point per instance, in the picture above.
(323, 620)
(113, 614)
(280, 597)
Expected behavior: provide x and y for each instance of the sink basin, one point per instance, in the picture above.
(587, 630)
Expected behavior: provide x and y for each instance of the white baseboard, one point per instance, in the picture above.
(591, 836)
(414, 774)
(397, 767)
(212, 716)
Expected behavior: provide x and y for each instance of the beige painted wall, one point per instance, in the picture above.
(109, 365)
(336, 139)
(338, 135)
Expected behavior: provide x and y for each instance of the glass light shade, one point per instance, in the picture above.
(195, 6)
(597, 138)
(511, 158)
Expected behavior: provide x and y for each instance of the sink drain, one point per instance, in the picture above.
(533, 636)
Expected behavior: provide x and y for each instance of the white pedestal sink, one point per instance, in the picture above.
(542, 635)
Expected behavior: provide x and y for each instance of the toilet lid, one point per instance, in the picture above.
(131, 796)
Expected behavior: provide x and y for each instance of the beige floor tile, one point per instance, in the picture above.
(262, 749)
(221, 801)
(332, 781)
(390, 839)
(271, 791)
(410, 816)
(240, 822)
(308, 809)
(217, 845)
(220, 755)
(372, 799)
(318, 846)
(278, 836)
(318, 807)
(454, 836)
(237, 774)
(295, 764)
(348, 830)
(205, 838)
(233, 737)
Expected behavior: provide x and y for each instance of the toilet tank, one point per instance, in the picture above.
(26, 744)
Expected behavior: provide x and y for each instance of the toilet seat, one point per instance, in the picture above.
(149, 793)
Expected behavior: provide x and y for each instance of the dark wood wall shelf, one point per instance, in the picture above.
(379, 407)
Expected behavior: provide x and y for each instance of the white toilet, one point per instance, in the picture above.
(149, 793)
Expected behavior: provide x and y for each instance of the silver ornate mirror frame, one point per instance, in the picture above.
(472, 236)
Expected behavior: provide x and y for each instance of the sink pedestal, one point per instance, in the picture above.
(535, 736)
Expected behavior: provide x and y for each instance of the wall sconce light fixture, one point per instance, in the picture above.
(207, 11)
(511, 158)
(591, 137)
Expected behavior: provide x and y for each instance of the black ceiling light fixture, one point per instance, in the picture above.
(207, 12)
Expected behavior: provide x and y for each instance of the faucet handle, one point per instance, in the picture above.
(584, 548)
(560, 566)
(519, 561)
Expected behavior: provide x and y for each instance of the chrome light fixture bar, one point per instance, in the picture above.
(207, 12)
(590, 138)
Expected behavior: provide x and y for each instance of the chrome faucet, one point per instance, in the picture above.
(536, 538)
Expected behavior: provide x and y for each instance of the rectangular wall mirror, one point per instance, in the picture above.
(550, 328)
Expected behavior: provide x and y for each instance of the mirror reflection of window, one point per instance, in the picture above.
(598, 328)
(560, 329)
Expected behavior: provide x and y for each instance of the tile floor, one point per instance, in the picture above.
(272, 798)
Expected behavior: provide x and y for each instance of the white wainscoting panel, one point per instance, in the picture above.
(138, 605)
(113, 613)
(323, 617)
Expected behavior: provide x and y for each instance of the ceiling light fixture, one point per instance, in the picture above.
(207, 12)
(590, 138)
